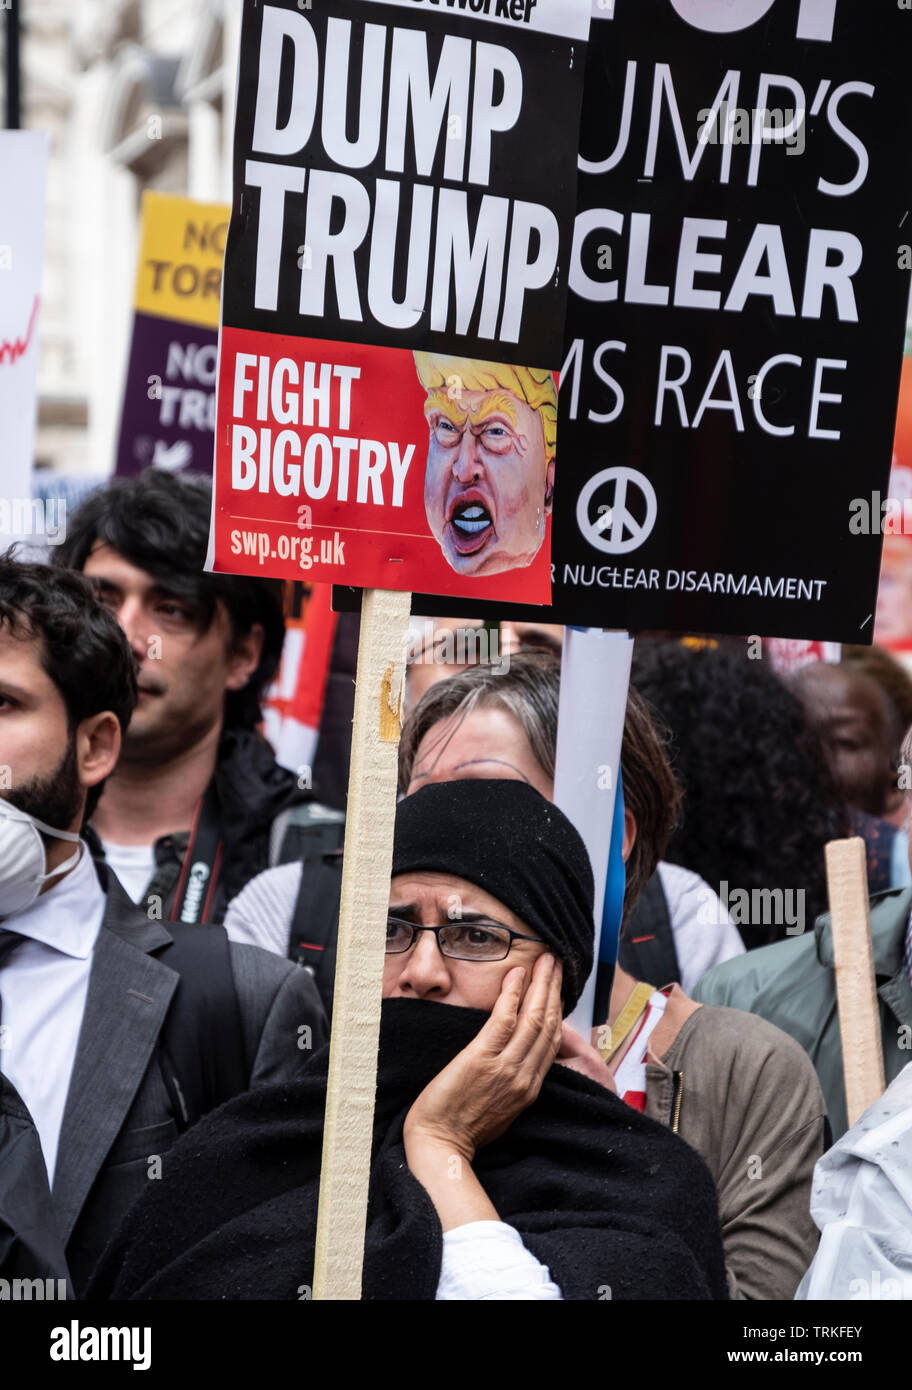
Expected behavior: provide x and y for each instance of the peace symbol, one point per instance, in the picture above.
(614, 528)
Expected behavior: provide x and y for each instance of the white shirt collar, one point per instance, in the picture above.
(65, 917)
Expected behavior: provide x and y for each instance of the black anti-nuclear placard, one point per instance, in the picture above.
(404, 182)
(738, 292)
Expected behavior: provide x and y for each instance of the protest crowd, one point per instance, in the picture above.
(167, 952)
(483, 554)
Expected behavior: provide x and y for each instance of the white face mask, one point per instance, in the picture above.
(23, 864)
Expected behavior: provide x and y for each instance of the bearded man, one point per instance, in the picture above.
(117, 1030)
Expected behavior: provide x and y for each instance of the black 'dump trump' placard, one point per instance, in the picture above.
(395, 284)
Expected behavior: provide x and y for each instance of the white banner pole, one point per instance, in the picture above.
(595, 675)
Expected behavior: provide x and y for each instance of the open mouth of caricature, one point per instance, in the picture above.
(471, 522)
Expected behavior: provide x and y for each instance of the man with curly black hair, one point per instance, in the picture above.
(188, 815)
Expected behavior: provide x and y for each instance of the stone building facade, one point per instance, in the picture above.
(135, 95)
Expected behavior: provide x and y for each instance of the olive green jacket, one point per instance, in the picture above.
(745, 1096)
(793, 984)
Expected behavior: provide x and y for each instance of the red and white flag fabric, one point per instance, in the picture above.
(294, 706)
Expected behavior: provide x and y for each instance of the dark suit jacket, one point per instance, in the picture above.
(118, 1117)
(30, 1247)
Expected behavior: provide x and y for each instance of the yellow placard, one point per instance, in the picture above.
(182, 245)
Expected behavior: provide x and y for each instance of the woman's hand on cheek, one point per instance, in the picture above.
(479, 1094)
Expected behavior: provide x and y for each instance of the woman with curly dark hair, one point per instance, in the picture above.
(759, 800)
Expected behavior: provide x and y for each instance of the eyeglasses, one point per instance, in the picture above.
(458, 940)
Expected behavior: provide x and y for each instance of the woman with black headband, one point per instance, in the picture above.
(503, 1164)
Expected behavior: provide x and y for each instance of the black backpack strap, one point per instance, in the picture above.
(647, 949)
(332, 762)
(315, 924)
(201, 1044)
(315, 919)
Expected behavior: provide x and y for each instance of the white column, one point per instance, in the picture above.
(120, 228)
(204, 154)
(232, 45)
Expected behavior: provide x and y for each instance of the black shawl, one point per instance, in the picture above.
(612, 1202)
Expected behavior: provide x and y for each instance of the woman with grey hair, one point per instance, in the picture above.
(678, 927)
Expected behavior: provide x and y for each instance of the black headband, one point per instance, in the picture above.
(504, 837)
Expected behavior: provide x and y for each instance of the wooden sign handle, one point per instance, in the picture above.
(856, 987)
(348, 1126)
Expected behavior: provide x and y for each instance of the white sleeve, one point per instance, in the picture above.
(261, 913)
(487, 1259)
(861, 1200)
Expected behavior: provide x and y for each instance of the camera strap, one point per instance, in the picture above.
(202, 862)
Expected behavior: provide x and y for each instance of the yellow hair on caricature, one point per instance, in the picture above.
(534, 385)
